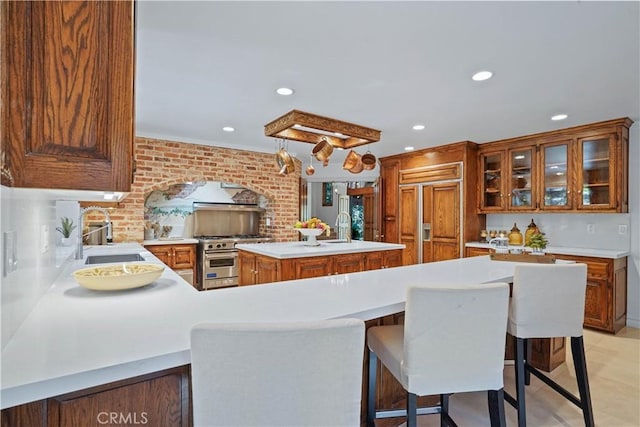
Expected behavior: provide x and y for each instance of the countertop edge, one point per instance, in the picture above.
(561, 250)
(324, 249)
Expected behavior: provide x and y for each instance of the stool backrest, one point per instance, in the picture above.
(548, 300)
(454, 339)
(277, 374)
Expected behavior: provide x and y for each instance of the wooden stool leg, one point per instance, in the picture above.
(496, 408)
(580, 363)
(520, 355)
(371, 389)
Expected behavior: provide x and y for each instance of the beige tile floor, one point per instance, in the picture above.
(613, 365)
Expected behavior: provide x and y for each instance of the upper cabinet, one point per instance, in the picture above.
(68, 99)
(584, 168)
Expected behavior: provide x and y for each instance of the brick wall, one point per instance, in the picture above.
(161, 163)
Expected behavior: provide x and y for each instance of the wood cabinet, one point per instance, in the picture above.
(452, 214)
(176, 257)
(469, 251)
(584, 168)
(389, 170)
(605, 306)
(68, 110)
(160, 399)
(255, 269)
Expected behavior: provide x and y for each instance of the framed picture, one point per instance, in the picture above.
(327, 194)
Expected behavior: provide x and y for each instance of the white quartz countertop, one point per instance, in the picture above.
(284, 250)
(76, 338)
(562, 250)
(170, 241)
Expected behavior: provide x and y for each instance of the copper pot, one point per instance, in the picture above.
(285, 162)
(322, 150)
(353, 162)
(368, 161)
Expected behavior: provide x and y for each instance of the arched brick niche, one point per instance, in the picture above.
(161, 163)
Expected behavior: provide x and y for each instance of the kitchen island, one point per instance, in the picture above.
(275, 262)
(80, 351)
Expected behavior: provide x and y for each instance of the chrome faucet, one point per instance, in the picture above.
(79, 253)
(344, 227)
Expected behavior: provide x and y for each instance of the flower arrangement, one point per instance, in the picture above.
(313, 223)
(66, 228)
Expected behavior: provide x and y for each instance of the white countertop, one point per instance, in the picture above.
(170, 241)
(76, 338)
(562, 250)
(284, 250)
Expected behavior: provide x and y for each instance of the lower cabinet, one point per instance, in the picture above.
(159, 399)
(605, 305)
(255, 269)
(176, 257)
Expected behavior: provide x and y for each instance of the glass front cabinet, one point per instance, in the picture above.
(556, 172)
(492, 183)
(596, 172)
(522, 179)
(578, 169)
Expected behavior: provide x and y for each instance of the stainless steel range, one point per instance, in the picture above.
(219, 227)
(218, 259)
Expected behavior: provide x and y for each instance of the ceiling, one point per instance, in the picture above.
(385, 65)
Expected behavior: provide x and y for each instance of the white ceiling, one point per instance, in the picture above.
(386, 65)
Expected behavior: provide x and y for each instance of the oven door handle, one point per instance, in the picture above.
(220, 255)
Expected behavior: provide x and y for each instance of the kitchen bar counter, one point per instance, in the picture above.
(76, 338)
(561, 250)
(286, 250)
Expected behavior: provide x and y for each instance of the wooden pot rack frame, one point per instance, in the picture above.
(306, 127)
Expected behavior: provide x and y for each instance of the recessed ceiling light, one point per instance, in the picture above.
(228, 129)
(284, 91)
(418, 127)
(482, 75)
(559, 117)
(108, 195)
(408, 148)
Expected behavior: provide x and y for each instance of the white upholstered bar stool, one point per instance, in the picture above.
(548, 301)
(277, 374)
(452, 341)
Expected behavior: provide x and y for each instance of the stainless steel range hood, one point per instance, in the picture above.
(224, 219)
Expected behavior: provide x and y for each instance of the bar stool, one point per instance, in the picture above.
(452, 341)
(277, 374)
(547, 302)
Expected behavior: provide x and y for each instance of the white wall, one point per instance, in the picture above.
(27, 212)
(633, 265)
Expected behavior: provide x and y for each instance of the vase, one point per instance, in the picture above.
(311, 234)
(66, 241)
(537, 251)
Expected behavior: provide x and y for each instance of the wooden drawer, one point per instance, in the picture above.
(596, 267)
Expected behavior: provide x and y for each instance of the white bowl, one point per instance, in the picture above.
(116, 277)
(310, 231)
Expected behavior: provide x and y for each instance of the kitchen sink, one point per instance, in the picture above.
(103, 259)
(337, 241)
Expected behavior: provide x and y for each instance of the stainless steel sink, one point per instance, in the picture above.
(337, 241)
(103, 259)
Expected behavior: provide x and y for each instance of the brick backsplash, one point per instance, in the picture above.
(161, 163)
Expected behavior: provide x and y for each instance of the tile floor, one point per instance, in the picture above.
(613, 364)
